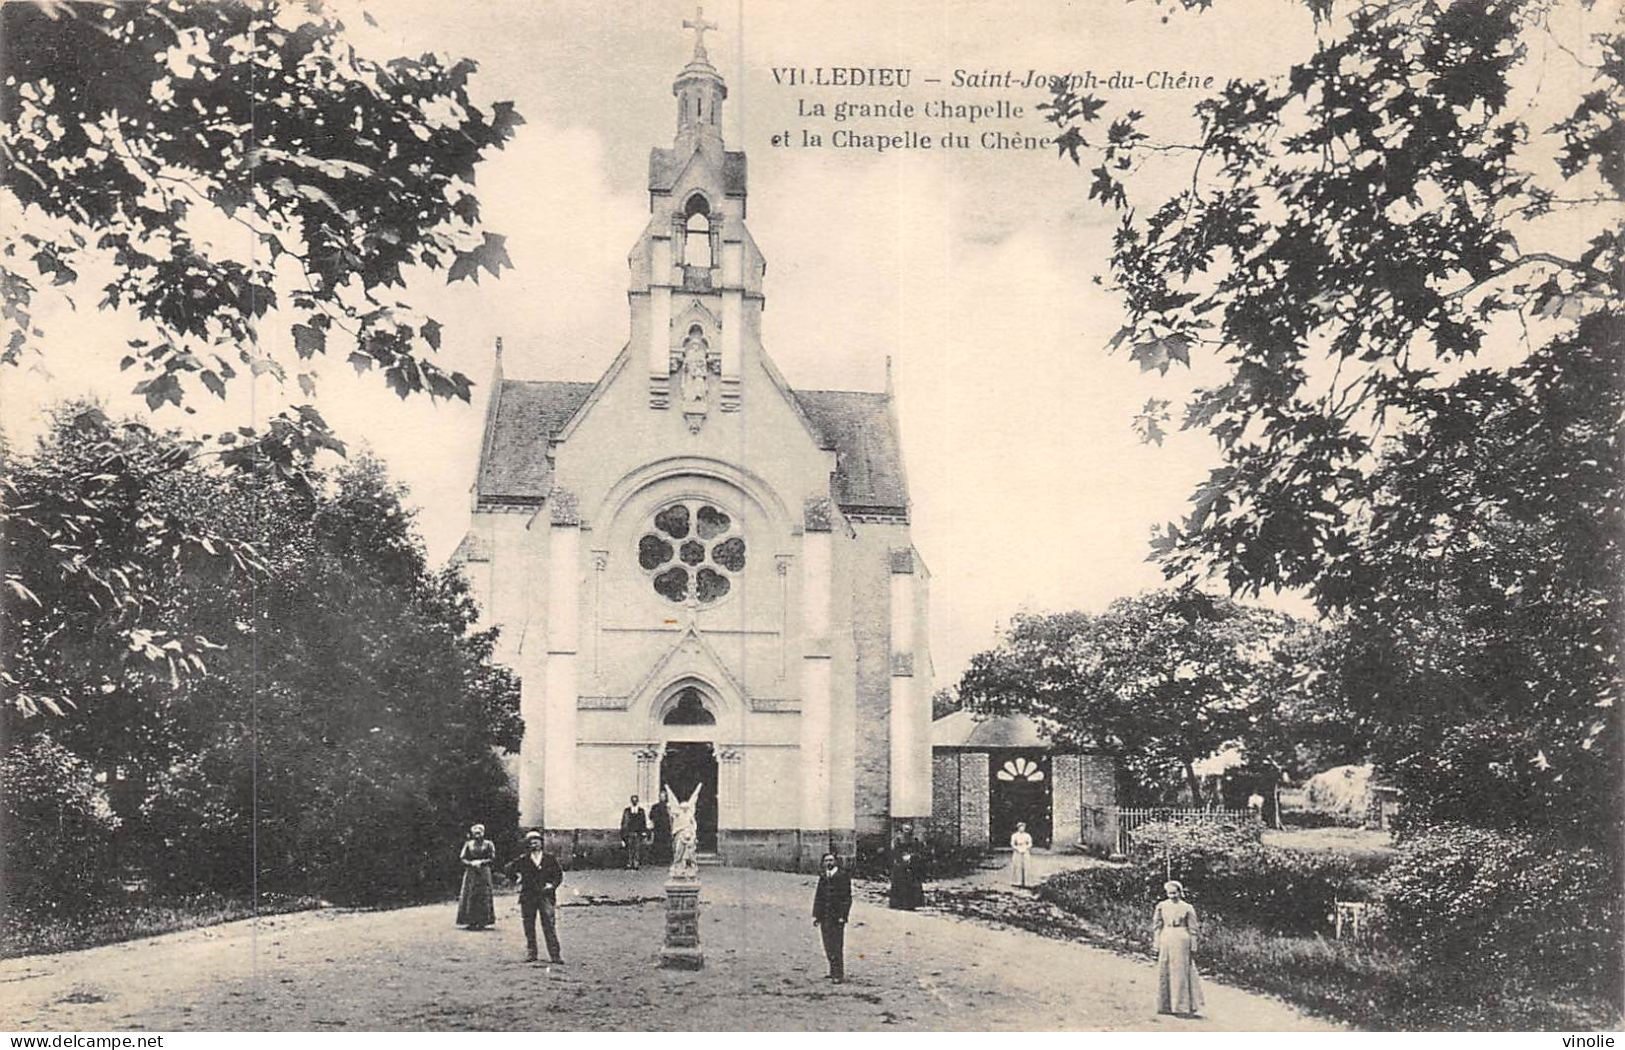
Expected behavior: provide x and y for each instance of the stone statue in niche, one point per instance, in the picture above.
(696, 381)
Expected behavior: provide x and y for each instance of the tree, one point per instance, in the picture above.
(93, 529)
(1415, 292)
(229, 164)
(349, 717)
(344, 172)
(1164, 679)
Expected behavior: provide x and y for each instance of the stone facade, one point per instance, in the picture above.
(698, 570)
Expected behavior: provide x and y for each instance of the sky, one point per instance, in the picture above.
(972, 271)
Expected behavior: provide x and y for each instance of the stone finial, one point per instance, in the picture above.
(820, 514)
(562, 507)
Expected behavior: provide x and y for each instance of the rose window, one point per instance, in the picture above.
(692, 551)
(1020, 769)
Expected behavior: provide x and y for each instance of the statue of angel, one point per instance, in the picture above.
(684, 833)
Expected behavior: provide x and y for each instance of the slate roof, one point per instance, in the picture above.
(513, 461)
(473, 548)
(665, 165)
(868, 476)
(868, 456)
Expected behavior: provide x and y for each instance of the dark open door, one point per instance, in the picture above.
(1019, 783)
(685, 765)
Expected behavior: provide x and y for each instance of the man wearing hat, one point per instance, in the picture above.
(539, 876)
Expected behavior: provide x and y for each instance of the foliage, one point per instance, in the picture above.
(349, 714)
(125, 918)
(58, 830)
(1507, 904)
(1414, 291)
(92, 530)
(1277, 890)
(1163, 679)
(1374, 986)
(935, 858)
(223, 162)
(254, 114)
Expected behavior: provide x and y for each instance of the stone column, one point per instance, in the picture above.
(733, 324)
(973, 798)
(816, 678)
(658, 351)
(519, 574)
(1066, 798)
(731, 813)
(909, 797)
(595, 626)
(648, 774)
(682, 948)
(563, 639)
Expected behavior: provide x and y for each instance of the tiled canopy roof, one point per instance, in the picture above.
(964, 729)
(528, 414)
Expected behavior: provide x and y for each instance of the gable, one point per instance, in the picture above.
(666, 166)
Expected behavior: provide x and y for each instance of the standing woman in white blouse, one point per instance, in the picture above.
(1021, 848)
(1174, 927)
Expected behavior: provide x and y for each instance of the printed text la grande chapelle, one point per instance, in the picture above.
(890, 108)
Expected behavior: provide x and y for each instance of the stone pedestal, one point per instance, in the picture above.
(682, 949)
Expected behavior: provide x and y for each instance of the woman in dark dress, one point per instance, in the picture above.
(660, 824)
(474, 907)
(907, 891)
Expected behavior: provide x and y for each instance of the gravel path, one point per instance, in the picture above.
(412, 969)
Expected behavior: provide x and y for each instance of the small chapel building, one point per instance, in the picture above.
(702, 574)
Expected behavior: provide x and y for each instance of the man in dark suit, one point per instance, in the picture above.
(539, 876)
(634, 831)
(832, 903)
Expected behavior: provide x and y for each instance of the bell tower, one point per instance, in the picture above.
(696, 275)
(699, 90)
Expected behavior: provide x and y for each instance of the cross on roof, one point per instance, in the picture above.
(699, 25)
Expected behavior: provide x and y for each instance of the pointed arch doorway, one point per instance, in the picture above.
(688, 760)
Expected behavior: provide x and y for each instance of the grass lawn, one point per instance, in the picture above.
(1355, 842)
(105, 923)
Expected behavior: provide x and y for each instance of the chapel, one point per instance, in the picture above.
(702, 574)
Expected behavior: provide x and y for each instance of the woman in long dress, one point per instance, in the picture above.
(474, 907)
(1174, 927)
(1021, 849)
(907, 890)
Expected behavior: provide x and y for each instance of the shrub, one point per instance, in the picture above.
(1507, 905)
(58, 829)
(937, 860)
(1281, 890)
